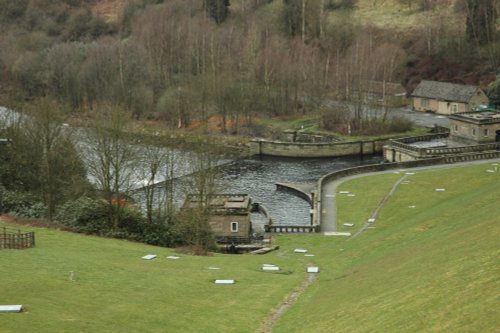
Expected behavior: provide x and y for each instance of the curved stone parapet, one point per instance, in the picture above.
(310, 150)
(304, 191)
(320, 197)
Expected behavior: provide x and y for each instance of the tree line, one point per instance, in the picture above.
(98, 181)
(181, 62)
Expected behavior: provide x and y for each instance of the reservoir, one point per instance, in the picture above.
(258, 178)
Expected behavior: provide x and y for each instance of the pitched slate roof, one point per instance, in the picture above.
(445, 91)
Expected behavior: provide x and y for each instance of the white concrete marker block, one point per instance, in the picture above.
(344, 192)
(213, 268)
(308, 255)
(312, 269)
(351, 195)
(173, 257)
(11, 308)
(409, 173)
(336, 233)
(300, 251)
(268, 265)
(490, 170)
(149, 257)
(224, 281)
(270, 268)
(371, 220)
(412, 206)
(440, 190)
(348, 224)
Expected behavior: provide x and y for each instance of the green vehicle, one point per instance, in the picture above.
(483, 107)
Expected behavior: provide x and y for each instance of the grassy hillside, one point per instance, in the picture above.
(433, 267)
(115, 291)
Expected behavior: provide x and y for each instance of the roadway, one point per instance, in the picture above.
(328, 214)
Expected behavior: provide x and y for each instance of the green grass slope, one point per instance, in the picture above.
(115, 291)
(431, 268)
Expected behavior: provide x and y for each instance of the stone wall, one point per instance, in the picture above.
(221, 225)
(391, 166)
(300, 136)
(474, 132)
(334, 149)
(399, 151)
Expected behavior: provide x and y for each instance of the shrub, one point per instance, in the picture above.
(191, 228)
(90, 216)
(21, 204)
(131, 221)
(84, 215)
(157, 234)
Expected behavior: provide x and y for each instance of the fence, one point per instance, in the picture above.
(291, 228)
(15, 239)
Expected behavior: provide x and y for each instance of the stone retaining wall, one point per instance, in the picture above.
(334, 149)
(391, 166)
(400, 151)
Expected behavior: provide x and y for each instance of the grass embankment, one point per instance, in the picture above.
(431, 268)
(434, 267)
(115, 291)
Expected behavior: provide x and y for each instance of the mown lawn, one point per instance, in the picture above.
(115, 291)
(434, 267)
(431, 268)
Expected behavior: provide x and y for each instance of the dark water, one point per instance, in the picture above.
(258, 178)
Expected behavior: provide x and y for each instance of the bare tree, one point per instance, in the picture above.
(63, 62)
(111, 159)
(157, 171)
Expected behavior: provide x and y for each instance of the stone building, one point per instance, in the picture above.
(475, 127)
(447, 98)
(229, 216)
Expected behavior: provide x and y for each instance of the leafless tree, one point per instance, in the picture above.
(110, 159)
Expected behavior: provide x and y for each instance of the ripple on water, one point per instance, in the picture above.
(258, 178)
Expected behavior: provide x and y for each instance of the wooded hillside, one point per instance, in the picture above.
(181, 61)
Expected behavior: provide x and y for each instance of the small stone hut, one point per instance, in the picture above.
(229, 216)
(475, 127)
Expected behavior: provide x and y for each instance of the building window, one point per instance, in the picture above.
(486, 132)
(455, 128)
(234, 226)
(454, 108)
(473, 132)
(424, 102)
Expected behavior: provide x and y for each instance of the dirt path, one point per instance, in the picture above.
(268, 324)
(379, 206)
